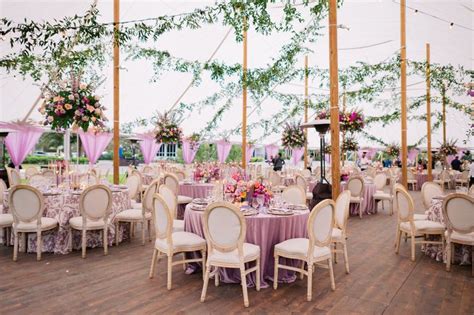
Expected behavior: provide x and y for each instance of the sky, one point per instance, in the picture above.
(368, 23)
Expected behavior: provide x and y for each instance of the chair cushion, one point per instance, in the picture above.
(423, 226)
(336, 234)
(76, 223)
(464, 238)
(178, 225)
(136, 205)
(356, 199)
(251, 252)
(181, 241)
(132, 214)
(6, 219)
(184, 199)
(46, 224)
(309, 195)
(382, 195)
(419, 217)
(299, 247)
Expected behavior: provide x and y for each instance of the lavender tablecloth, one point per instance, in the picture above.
(63, 207)
(462, 253)
(263, 230)
(368, 205)
(194, 190)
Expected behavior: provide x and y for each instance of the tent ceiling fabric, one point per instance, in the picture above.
(369, 23)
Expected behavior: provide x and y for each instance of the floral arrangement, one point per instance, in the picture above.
(167, 129)
(449, 148)
(194, 141)
(237, 187)
(350, 144)
(72, 105)
(260, 189)
(327, 149)
(392, 150)
(207, 172)
(293, 136)
(351, 121)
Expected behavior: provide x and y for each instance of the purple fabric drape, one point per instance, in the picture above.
(148, 146)
(271, 150)
(189, 151)
(296, 155)
(21, 141)
(94, 144)
(223, 149)
(249, 153)
(412, 154)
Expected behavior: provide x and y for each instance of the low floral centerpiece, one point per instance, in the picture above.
(293, 136)
(167, 129)
(206, 172)
(72, 105)
(449, 148)
(237, 187)
(259, 189)
(392, 150)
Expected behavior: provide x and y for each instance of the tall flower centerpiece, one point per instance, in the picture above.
(351, 121)
(167, 129)
(259, 189)
(350, 144)
(392, 150)
(236, 187)
(293, 136)
(72, 104)
(449, 148)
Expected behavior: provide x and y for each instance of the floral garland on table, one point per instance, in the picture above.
(194, 141)
(393, 150)
(293, 136)
(349, 144)
(449, 148)
(260, 189)
(167, 129)
(73, 105)
(207, 172)
(237, 187)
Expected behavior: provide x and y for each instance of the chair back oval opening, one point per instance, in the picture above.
(133, 184)
(224, 226)
(320, 223)
(162, 219)
(147, 202)
(458, 212)
(380, 180)
(294, 195)
(300, 181)
(172, 182)
(342, 209)
(355, 185)
(170, 198)
(95, 202)
(428, 191)
(404, 204)
(26, 203)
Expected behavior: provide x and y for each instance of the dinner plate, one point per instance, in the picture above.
(249, 212)
(200, 201)
(198, 207)
(297, 207)
(277, 211)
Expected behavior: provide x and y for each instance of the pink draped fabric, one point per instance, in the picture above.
(412, 154)
(271, 150)
(189, 152)
(148, 146)
(249, 153)
(21, 141)
(94, 144)
(296, 155)
(223, 149)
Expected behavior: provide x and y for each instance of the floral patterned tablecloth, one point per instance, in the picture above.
(462, 253)
(63, 207)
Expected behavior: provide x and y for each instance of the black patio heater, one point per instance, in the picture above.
(323, 189)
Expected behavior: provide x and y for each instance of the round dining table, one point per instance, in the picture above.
(264, 230)
(62, 205)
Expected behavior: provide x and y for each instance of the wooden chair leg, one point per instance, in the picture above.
(170, 272)
(412, 245)
(243, 280)
(335, 253)
(346, 258)
(309, 293)
(38, 245)
(302, 268)
(216, 276)
(149, 230)
(117, 231)
(206, 282)
(275, 273)
(106, 241)
(84, 243)
(360, 210)
(15, 247)
(258, 274)
(143, 232)
(331, 274)
(448, 257)
(397, 241)
(153, 263)
(203, 254)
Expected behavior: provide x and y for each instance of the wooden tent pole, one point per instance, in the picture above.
(343, 153)
(116, 95)
(306, 101)
(244, 98)
(428, 113)
(334, 99)
(403, 87)
(443, 98)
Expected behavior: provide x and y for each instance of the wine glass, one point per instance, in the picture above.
(260, 200)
